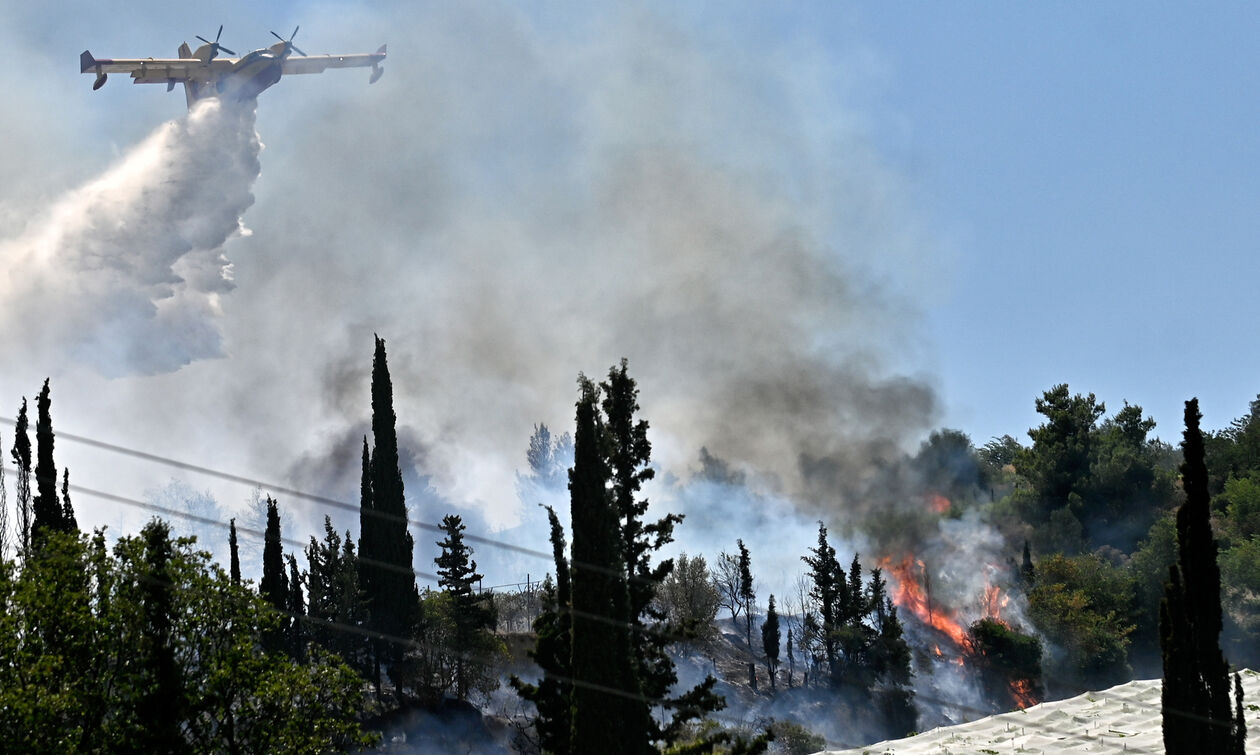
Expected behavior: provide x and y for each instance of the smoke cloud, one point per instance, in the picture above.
(127, 272)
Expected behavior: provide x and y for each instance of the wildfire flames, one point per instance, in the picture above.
(911, 592)
(910, 595)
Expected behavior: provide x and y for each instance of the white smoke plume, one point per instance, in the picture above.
(126, 273)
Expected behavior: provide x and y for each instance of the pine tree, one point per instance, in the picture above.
(333, 596)
(472, 616)
(861, 639)
(21, 454)
(46, 507)
(274, 586)
(385, 547)
(553, 654)
(828, 581)
(609, 714)
(234, 553)
(770, 639)
(1197, 713)
(628, 456)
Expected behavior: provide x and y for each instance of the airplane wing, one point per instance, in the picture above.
(318, 63)
(157, 70)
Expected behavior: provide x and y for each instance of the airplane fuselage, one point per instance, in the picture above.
(251, 75)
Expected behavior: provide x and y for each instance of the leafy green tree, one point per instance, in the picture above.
(688, 598)
(472, 615)
(1235, 451)
(152, 649)
(770, 640)
(1091, 484)
(1196, 691)
(1081, 604)
(1009, 663)
(1148, 570)
(1058, 463)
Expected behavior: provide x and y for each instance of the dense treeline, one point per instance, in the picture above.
(148, 645)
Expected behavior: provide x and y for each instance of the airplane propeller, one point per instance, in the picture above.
(215, 47)
(288, 43)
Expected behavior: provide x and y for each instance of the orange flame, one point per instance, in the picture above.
(910, 595)
(939, 503)
(1022, 691)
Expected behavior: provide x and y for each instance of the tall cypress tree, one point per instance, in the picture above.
(6, 533)
(770, 638)
(46, 506)
(161, 702)
(296, 606)
(274, 586)
(1197, 711)
(552, 652)
(21, 454)
(608, 707)
(385, 547)
(234, 553)
(68, 520)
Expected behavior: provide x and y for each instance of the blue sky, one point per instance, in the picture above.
(852, 222)
(1092, 170)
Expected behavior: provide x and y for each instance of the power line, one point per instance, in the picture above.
(343, 505)
(421, 645)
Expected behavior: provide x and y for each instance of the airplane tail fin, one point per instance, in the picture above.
(86, 62)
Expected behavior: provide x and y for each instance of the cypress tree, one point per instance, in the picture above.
(552, 652)
(607, 704)
(386, 547)
(1197, 711)
(274, 586)
(160, 705)
(235, 553)
(770, 638)
(748, 597)
(5, 525)
(68, 520)
(46, 506)
(21, 454)
(296, 607)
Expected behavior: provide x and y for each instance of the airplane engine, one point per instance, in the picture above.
(100, 80)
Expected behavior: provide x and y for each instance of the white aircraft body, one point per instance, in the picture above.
(205, 75)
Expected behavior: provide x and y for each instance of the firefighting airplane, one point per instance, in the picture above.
(204, 74)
